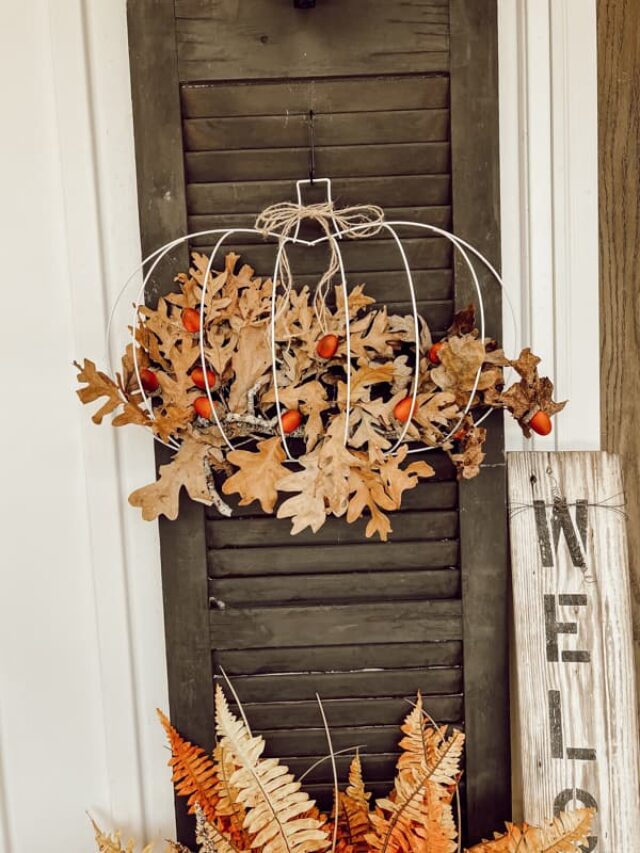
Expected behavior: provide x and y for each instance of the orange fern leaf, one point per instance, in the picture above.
(353, 813)
(194, 773)
(417, 818)
(566, 834)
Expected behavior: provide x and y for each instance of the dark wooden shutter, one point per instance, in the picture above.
(404, 97)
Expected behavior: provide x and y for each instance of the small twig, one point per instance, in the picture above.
(222, 507)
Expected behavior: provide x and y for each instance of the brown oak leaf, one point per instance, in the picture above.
(186, 469)
(531, 394)
(98, 386)
(258, 474)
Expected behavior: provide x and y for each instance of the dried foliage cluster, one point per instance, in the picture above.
(330, 478)
(244, 802)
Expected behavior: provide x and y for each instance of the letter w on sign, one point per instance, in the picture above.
(575, 700)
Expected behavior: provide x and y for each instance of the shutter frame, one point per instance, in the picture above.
(154, 57)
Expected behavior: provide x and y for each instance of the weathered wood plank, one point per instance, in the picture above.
(345, 95)
(303, 559)
(342, 658)
(256, 132)
(339, 624)
(343, 587)
(576, 695)
(483, 533)
(225, 533)
(619, 208)
(430, 158)
(254, 196)
(220, 40)
(349, 712)
(341, 685)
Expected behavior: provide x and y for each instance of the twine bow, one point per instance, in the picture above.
(285, 219)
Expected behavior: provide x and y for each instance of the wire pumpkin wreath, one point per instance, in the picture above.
(352, 456)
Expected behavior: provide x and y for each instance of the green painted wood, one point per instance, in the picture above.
(344, 95)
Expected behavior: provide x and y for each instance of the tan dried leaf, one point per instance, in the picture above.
(258, 474)
(250, 360)
(99, 385)
(186, 469)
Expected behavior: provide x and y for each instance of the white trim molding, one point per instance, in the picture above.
(90, 64)
(549, 180)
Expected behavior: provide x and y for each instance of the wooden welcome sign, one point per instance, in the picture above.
(576, 700)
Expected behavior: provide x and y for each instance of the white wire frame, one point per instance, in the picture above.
(462, 246)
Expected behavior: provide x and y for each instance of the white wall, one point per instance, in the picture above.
(81, 636)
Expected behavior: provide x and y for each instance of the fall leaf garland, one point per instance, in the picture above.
(244, 802)
(365, 477)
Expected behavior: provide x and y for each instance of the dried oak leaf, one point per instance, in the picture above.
(97, 386)
(368, 493)
(250, 360)
(471, 455)
(311, 399)
(531, 394)
(323, 484)
(371, 333)
(358, 300)
(258, 474)
(460, 360)
(397, 480)
(464, 322)
(186, 469)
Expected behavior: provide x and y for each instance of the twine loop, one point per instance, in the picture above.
(285, 219)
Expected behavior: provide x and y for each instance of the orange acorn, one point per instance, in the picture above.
(203, 408)
(402, 409)
(460, 434)
(197, 376)
(434, 352)
(290, 420)
(541, 423)
(327, 346)
(149, 380)
(190, 319)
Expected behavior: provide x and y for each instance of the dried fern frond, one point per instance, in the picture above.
(566, 834)
(111, 843)
(427, 748)
(194, 773)
(417, 818)
(211, 839)
(276, 807)
(353, 813)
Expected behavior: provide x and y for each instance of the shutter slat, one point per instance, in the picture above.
(406, 525)
(332, 685)
(358, 586)
(363, 255)
(342, 658)
(253, 196)
(303, 559)
(338, 161)
(349, 712)
(398, 621)
(321, 96)
(254, 132)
